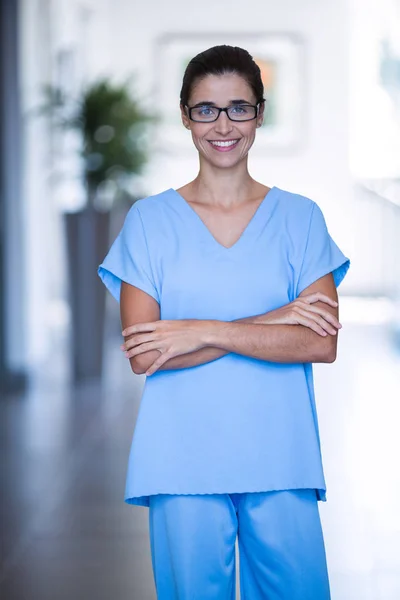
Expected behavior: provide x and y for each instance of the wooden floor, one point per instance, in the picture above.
(67, 534)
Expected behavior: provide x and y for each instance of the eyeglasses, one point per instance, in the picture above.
(236, 112)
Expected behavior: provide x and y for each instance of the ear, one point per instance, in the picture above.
(185, 118)
(260, 116)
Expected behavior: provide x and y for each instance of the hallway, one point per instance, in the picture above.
(66, 532)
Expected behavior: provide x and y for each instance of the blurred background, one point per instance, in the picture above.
(89, 123)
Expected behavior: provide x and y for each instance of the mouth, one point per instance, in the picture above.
(224, 145)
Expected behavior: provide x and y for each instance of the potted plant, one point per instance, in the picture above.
(111, 126)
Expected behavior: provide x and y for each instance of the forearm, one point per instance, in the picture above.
(274, 343)
(192, 359)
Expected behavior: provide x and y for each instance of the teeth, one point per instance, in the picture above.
(230, 143)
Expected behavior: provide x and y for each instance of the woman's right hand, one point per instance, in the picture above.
(302, 312)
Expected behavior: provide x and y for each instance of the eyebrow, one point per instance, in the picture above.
(210, 103)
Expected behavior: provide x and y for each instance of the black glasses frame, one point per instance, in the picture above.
(225, 110)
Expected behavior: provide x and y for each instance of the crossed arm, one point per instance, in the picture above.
(256, 336)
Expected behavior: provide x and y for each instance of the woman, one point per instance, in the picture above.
(227, 291)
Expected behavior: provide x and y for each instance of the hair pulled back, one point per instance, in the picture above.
(220, 60)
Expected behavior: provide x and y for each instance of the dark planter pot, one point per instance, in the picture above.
(87, 234)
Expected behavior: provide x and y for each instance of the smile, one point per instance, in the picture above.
(224, 145)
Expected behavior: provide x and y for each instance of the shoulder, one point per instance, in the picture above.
(298, 210)
(150, 215)
(294, 203)
(154, 203)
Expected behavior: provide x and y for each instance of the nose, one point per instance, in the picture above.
(223, 124)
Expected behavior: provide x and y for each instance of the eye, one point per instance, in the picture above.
(239, 109)
(205, 111)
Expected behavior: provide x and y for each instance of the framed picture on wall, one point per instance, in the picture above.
(280, 57)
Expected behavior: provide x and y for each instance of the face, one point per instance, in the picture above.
(222, 90)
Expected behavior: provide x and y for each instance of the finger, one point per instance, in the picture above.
(324, 325)
(162, 359)
(137, 340)
(319, 297)
(320, 321)
(324, 313)
(311, 325)
(143, 348)
(139, 328)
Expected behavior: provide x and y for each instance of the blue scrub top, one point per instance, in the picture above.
(236, 424)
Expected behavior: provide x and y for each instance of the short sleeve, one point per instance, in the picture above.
(321, 254)
(128, 259)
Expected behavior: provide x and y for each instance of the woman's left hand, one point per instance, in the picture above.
(170, 338)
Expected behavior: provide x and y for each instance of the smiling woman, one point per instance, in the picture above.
(227, 290)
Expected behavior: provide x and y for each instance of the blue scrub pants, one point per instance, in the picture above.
(281, 547)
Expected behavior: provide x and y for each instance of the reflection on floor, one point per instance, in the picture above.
(66, 532)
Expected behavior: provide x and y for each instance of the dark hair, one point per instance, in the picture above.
(220, 60)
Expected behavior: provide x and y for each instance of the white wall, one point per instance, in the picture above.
(118, 38)
(321, 169)
(337, 36)
(48, 27)
(38, 206)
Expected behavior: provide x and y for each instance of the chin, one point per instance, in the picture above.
(224, 163)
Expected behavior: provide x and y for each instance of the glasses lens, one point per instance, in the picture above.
(242, 112)
(204, 113)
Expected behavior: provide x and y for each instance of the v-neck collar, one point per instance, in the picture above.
(250, 228)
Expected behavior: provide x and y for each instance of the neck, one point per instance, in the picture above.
(225, 187)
